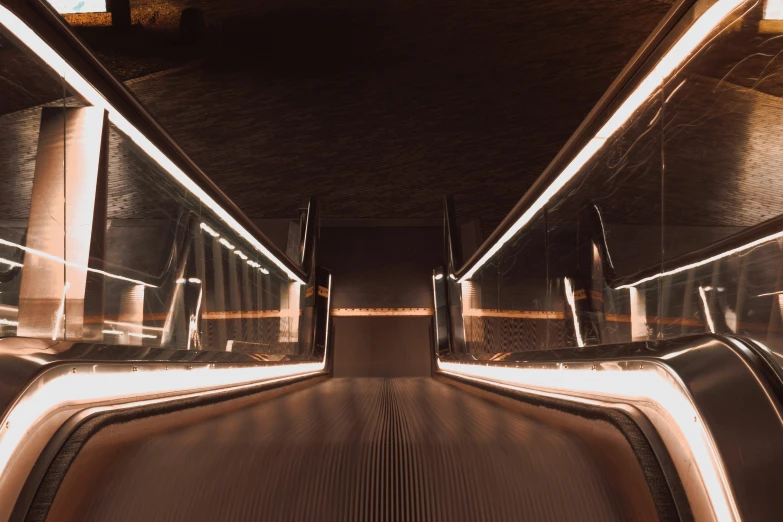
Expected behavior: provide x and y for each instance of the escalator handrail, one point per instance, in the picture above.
(44, 20)
(601, 112)
(735, 412)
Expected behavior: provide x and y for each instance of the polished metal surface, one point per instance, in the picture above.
(717, 416)
(46, 383)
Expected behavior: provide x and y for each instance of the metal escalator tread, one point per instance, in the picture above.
(346, 449)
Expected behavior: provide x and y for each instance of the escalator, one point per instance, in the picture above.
(355, 449)
(607, 353)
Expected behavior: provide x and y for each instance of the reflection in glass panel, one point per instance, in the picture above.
(100, 243)
(32, 150)
(506, 305)
(180, 278)
(671, 225)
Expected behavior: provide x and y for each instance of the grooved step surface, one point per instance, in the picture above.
(345, 449)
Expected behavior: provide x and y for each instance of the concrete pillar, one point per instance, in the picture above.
(235, 304)
(66, 227)
(219, 296)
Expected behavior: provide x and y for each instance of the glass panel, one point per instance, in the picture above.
(506, 305)
(178, 276)
(605, 226)
(674, 225)
(122, 252)
(723, 127)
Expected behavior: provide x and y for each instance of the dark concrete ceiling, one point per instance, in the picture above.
(381, 108)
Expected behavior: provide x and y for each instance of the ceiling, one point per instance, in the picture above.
(382, 108)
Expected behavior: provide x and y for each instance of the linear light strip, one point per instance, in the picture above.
(637, 386)
(86, 388)
(679, 52)
(716, 257)
(27, 36)
(71, 263)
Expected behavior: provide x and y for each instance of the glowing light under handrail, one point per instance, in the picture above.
(678, 53)
(638, 386)
(38, 46)
(209, 230)
(716, 257)
(88, 388)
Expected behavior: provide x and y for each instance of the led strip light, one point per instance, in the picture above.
(641, 386)
(30, 39)
(679, 52)
(727, 253)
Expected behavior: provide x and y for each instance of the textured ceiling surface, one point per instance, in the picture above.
(381, 108)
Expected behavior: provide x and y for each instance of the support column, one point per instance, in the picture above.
(235, 304)
(67, 223)
(219, 297)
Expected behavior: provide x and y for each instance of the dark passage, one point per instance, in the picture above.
(352, 449)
